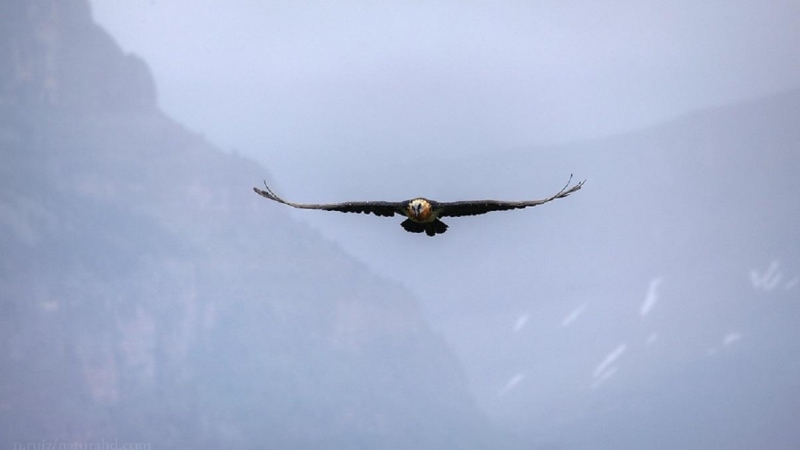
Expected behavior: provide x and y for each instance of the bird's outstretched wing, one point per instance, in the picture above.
(475, 207)
(385, 209)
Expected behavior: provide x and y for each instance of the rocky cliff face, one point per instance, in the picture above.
(147, 295)
(54, 56)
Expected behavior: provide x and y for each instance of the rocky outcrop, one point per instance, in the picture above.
(53, 55)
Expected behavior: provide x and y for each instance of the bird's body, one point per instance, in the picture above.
(422, 215)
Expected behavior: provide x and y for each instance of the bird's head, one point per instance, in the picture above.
(419, 210)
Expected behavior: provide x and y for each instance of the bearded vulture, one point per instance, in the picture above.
(423, 214)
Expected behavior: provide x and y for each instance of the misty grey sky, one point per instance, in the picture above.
(566, 298)
(287, 81)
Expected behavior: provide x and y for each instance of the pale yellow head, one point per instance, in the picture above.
(419, 210)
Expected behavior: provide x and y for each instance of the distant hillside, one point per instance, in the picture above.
(678, 263)
(147, 295)
(698, 219)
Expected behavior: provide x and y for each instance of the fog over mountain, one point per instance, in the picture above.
(290, 82)
(149, 298)
(148, 295)
(657, 307)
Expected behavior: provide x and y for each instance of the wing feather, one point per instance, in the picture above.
(475, 207)
(383, 209)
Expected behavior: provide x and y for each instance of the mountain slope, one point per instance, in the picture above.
(679, 256)
(148, 295)
(655, 308)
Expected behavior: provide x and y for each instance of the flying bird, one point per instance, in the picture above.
(423, 215)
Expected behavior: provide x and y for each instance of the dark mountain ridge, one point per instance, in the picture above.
(147, 296)
(55, 57)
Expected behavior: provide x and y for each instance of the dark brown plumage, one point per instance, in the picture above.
(422, 214)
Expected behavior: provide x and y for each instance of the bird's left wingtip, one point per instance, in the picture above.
(262, 193)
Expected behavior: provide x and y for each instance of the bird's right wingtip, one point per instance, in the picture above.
(263, 192)
(267, 193)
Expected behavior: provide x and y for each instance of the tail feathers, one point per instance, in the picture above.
(435, 227)
(431, 229)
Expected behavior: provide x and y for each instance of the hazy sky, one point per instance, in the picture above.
(331, 96)
(285, 81)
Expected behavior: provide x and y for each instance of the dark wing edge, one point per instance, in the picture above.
(476, 207)
(383, 209)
